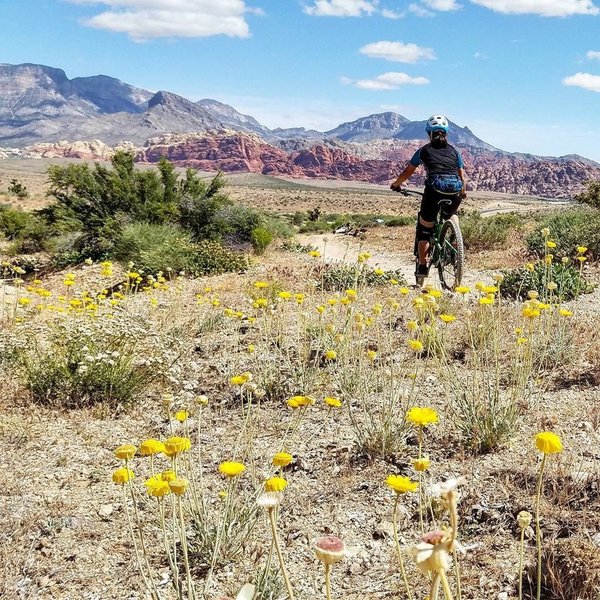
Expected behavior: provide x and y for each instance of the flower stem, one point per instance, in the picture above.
(521, 553)
(328, 581)
(538, 533)
(398, 549)
(186, 562)
(434, 592)
(286, 579)
(445, 585)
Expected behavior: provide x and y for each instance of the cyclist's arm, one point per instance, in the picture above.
(410, 169)
(463, 178)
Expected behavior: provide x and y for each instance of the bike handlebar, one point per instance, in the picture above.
(406, 192)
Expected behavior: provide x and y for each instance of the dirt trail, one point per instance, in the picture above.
(343, 248)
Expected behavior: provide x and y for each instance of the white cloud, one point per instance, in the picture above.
(397, 52)
(420, 11)
(390, 14)
(544, 8)
(145, 19)
(584, 80)
(341, 8)
(442, 5)
(593, 55)
(386, 81)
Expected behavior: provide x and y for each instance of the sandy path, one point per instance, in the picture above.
(343, 248)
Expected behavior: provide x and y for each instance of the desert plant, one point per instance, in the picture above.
(591, 195)
(340, 276)
(16, 188)
(156, 247)
(517, 283)
(568, 229)
(487, 233)
(261, 237)
(212, 258)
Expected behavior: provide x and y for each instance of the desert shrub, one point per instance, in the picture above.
(591, 195)
(212, 258)
(16, 188)
(400, 221)
(339, 276)
(485, 420)
(13, 221)
(487, 233)
(570, 283)
(297, 247)
(261, 237)
(568, 229)
(315, 227)
(84, 363)
(153, 248)
(34, 237)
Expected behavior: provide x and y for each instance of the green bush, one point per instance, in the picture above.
(518, 282)
(591, 195)
(568, 229)
(83, 364)
(261, 237)
(13, 221)
(211, 258)
(339, 277)
(156, 247)
(488, 233)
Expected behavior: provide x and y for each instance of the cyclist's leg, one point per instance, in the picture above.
(449, 210)
(425, 223)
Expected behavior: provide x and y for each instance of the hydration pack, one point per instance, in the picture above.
(446, 184)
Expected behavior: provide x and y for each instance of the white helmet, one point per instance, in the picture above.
(437, 123)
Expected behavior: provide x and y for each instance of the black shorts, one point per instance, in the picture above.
(430, 205)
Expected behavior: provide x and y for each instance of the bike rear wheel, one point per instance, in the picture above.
(452, 254)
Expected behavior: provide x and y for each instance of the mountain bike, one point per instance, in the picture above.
(446, 248)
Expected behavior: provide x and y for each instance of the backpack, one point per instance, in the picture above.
(446, 184)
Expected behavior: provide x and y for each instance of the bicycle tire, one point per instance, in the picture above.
(452, 255)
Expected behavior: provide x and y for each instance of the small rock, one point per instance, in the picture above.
(105, 510)
(502, 596)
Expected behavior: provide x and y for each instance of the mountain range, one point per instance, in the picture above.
(40, 107)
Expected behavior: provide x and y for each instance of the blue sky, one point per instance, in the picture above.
(524, 75)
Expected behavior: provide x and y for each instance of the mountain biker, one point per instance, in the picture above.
(445, 180)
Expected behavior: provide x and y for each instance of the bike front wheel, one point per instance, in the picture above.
(452, 254)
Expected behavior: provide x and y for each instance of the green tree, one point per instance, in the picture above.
(591, 195)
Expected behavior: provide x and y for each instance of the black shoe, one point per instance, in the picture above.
(422, 271)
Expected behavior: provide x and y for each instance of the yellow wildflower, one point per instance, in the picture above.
(486, 300)
(182, 415)
(550, 244)
(175, 445)
(462, 289)
(404, 291)
(275, 484)
(232, 468)
(422, 416)
(333, 402)
(282, 459)
(122, 476)
(330, 354)
(157, 486)
(447, 318)
(421, 464)
(150, 447)
(126, 451)
(530, 267)
(261, 285)
(285, 295)
(565, 312)
(415, 345)
(372, 354)
(581, 249)
(314, 254)
(179, 485)
(400, 484)
(548, 442)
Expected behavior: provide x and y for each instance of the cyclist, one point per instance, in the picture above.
(445, 180)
